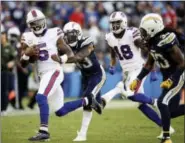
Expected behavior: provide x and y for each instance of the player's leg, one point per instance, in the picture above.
(118, 89)
(165, 102)
(93, 87)
(64, 109)
(48, 85)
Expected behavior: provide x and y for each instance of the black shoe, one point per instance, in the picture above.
(40, 136)
(95, 105)
(103, 103)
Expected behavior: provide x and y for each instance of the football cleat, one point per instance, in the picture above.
(80, 137)
(40, 136)
(96, 106)
(167, 140)
(172, 131)
(103, 103)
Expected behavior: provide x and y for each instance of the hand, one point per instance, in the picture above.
(32, 51)
(135, 84)
(166, 84)
(10, 64)
(112, 70)
(56, 58)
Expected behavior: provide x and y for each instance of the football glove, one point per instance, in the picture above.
(166, 84)
(112, 70)
(134, 85)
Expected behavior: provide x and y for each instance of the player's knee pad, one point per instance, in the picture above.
(41, 99)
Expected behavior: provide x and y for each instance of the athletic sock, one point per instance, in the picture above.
(44, 111)
(151, 114)
(109, 95)
(139, 97)
(87, 116)
(71, 106)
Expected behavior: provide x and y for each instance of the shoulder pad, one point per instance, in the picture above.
(86, 41)
(168, 38)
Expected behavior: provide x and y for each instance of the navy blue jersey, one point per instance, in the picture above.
(160, 47)
(90, 64)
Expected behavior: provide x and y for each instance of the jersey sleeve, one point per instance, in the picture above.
(135, 34)
(87, 41)
(168, 41)
(59, 32)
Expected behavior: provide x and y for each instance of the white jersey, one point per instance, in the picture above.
(129, 55)
(47, 45)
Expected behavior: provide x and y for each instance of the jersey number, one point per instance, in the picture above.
(125, 52)
(161, 61)
(43, 54)
(86, 63)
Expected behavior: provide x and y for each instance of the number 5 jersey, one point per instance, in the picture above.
(129, 55)
(47, 45)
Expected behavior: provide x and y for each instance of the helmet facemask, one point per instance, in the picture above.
(116, 26)
(38, 26)
(72, 37)
(144, 35)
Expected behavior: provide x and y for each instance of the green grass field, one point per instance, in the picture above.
(126, 125)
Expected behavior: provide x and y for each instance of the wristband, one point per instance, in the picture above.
(64, 58)
(143, 73)
(26, 58)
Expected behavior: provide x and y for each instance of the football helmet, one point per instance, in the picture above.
(150, 25)
(13, 34)
(36, 21)
(118, 22)
(72, 33)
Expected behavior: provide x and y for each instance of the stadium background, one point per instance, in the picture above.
(94, 19)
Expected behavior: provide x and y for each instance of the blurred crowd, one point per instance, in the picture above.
(92, 16)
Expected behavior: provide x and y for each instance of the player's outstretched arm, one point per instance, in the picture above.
(64, 48)
(86, 51)
(147, 68)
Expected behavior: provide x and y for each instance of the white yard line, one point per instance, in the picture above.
(116, 104)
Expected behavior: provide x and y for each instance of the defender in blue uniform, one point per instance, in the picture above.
(165, 50)
(93, 74)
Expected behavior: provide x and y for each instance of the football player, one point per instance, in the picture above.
(126, 43)
(39, 46)
(165, 50)
(93, 74)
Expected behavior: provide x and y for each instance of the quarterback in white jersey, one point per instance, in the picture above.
(41, 46)
(125, 43)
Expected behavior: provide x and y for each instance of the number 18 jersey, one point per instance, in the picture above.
(47, 45)
(129, 55)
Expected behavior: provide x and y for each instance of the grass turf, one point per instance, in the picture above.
(115, 126)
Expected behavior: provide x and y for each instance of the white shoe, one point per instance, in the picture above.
(80, 137)
(172, 131)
